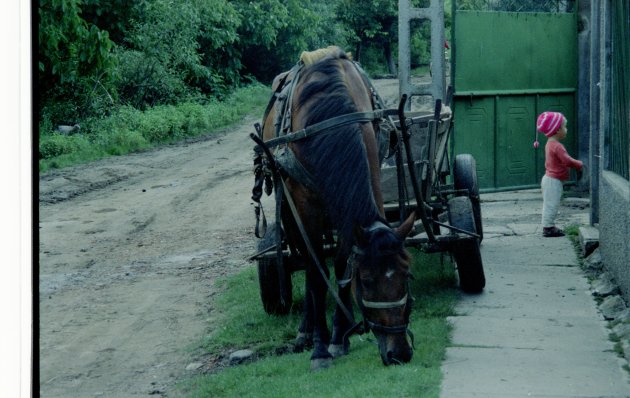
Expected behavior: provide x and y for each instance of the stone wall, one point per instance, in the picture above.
(614, 228)
(610, 193)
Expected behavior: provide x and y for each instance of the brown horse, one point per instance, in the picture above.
(342, 194)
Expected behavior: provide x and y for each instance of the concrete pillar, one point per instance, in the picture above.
(435, 15)
(594, 90)
(583, 100)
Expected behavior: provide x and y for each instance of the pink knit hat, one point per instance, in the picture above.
(548, 123)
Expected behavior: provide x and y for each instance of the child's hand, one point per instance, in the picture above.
(580, 172)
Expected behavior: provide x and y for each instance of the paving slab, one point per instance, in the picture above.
(534, 291)
(536, 334)
(528, 250)
(535, 330)
(509, 372)
(524, 228)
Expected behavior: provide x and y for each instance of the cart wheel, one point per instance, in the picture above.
(465, 177)
(273, 301)
(466, 251)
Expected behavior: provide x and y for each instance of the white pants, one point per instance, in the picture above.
(552, 194)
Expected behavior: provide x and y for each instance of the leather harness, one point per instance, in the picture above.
(285, 162)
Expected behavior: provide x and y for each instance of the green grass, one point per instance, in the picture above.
(276, 373)
(129, 130)
(573, 233)
(420, 71)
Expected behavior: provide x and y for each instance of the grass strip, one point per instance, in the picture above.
(277, 372)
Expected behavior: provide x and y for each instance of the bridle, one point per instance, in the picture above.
(364, 305)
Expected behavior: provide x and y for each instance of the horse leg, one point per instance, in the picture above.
(310, 214)
(318, 289)
(320, 358)
(340, 343)
(304, 339)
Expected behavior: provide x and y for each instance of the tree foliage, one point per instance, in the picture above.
(75, 60)
(291, 26)
(96, 55)
(160, 55)
(369, 21)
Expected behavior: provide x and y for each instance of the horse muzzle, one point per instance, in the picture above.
(395, 349)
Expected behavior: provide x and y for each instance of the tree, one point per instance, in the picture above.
(370, 21)
(75, 60)
(290, 27)
(178, 50)
(114, 16)
(218, 45)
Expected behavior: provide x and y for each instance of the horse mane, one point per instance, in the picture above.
(310, 57)
(338, 160)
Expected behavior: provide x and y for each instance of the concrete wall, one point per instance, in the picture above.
(612, 192)
(614, 228)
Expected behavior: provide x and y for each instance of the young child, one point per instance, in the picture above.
(557, 164)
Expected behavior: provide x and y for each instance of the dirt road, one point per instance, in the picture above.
(130, 248)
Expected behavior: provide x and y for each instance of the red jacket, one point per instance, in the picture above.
(558, 161)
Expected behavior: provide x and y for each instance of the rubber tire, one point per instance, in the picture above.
(465, 177)
(269, 279)
(466, 251)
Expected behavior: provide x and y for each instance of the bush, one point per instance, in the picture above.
(54, 145)
(124, 141)
(128, 129)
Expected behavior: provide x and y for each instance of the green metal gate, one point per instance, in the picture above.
(507, 68)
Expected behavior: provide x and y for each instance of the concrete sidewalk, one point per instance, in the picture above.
(535, 331)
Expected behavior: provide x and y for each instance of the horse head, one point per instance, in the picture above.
(381, 287)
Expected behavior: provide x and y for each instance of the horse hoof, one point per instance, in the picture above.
(303, 341)
(320, 363)
(337, 350)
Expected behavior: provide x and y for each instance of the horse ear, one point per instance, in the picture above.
(403, 229)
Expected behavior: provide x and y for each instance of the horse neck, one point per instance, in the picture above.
(339, 163)
(345, 160)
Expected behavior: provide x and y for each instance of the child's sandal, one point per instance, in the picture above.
(552, 232)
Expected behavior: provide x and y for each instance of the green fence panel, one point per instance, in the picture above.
(515, 155)
(474, 133)
(508, 68)
(509, 51)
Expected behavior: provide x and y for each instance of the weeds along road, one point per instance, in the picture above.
(130, 249)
